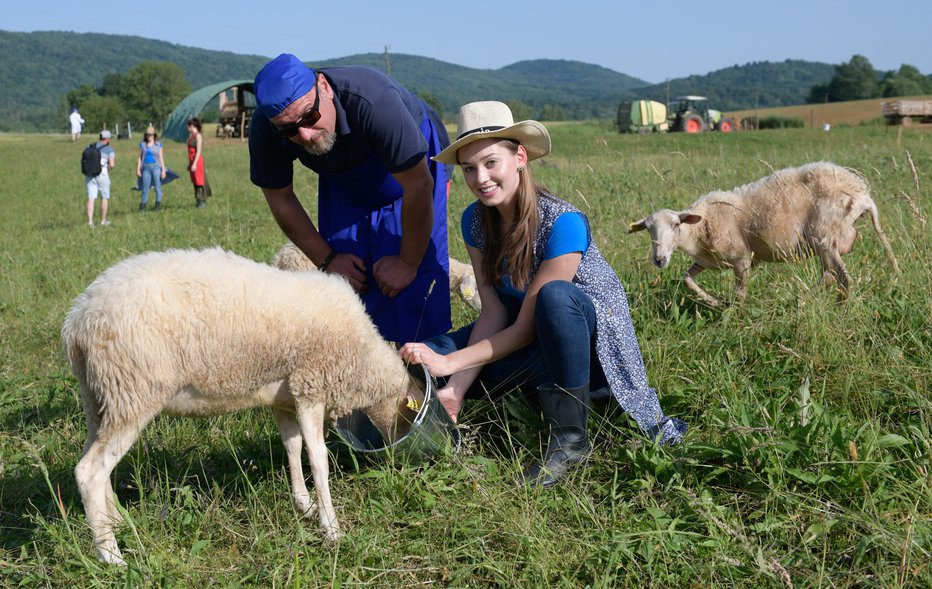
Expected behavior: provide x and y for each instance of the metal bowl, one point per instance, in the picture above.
(432, 432)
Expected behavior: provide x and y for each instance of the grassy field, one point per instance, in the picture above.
(806, 463)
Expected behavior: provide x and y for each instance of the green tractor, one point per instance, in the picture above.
(691, 114)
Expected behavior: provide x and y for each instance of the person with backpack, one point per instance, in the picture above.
(150, 166)
(97, 160)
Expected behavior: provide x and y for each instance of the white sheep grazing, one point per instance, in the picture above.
(199, 333)
(462, 277)
(785, 216)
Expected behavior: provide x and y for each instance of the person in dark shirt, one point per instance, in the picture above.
(381, 199)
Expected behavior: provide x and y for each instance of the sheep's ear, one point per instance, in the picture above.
(637, 226)
(689, 218)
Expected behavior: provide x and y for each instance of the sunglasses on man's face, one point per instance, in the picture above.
(307, 120)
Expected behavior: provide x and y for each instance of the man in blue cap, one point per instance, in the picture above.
(382, 217)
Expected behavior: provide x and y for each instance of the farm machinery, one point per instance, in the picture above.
(686, 114)
(904, 112)
(691, 114)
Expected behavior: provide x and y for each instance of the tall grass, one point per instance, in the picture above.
(806, 464)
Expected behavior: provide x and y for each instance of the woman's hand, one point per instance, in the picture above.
(451, 401)
(415, 353)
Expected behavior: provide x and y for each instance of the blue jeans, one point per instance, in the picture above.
(151, 176)
(562, 355)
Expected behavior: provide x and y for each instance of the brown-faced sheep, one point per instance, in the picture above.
(786, 216)
(199, 333)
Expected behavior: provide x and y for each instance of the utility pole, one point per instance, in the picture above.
(388, 65)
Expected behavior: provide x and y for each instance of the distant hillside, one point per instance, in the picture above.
(583, 90)
(38, 68)
(757, 84)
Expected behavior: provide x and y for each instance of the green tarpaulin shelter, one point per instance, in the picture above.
(177, 126)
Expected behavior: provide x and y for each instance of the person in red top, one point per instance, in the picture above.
(196, 161)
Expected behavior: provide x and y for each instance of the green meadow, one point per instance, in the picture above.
(807, 462)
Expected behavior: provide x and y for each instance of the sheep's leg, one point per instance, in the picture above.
(690, 280)
(291, 438)
(742, 270)
(311, 421)
(833, 270)
(93, 477)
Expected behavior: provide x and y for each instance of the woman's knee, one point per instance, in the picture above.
(558, 296)
(555, 292)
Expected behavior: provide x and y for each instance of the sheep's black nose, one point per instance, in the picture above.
(658, 261)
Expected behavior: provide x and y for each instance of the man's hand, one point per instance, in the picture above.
(351, 267)
(393, 275)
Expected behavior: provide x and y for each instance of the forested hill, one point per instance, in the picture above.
(38, 68)
(759, 84)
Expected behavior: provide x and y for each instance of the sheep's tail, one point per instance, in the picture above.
(875, 220)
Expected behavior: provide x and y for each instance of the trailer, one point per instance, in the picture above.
(902, 112)
(236, 108)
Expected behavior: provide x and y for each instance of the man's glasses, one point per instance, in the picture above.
(307, 120)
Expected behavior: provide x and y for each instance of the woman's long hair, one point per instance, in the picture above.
(511, 251)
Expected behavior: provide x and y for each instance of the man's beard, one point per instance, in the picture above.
(323, 146)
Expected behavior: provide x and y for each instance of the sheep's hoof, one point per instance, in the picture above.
(333, 535)
(305, 506)
(110, 555)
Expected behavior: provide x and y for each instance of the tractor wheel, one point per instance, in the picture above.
(692, 123)
(726, 125)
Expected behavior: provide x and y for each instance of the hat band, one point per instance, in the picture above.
(480, 130)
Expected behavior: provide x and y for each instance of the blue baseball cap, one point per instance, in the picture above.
(280, 82)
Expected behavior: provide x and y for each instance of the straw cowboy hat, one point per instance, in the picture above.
(490, 119)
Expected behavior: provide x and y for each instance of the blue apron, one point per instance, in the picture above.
(359, 212)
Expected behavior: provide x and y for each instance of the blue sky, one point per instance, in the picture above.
(653, 41)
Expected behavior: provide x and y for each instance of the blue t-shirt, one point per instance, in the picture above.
(569, 234)
(375, 115)
(151, 152)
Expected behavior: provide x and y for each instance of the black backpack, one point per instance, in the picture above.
(90, 161)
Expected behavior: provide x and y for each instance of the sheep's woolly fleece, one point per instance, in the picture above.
(222, 323)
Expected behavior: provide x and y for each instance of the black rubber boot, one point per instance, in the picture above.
(158, 206)
(200, 197)
(142, 207)
(566, 411)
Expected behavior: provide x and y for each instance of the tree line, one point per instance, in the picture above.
(144, 95)
(858, 80)
(147, 93)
